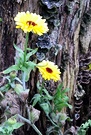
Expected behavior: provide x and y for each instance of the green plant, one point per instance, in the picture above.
(9, 126)
(22, 67)
(11, 82)
(60, 99)
(43, 98)
(52, 106)
(17, 76)
(23, 63)
(84, 127)
(0, 19)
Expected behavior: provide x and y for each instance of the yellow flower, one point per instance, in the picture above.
(31, 22)
(49, 70)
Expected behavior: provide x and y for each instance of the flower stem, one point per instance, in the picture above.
(29, 122)
(25, 53)
(25, 46)
(23, 80)
(52, 121)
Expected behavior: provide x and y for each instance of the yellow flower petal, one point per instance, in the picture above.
(49, 70)
(31, 22)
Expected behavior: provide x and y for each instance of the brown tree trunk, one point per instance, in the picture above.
(69, 44)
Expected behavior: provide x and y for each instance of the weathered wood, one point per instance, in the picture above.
(65, 36)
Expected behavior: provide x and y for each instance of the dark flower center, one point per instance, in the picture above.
(31, 23)
(49, 70)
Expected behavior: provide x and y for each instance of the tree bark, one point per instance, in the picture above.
(69, 45)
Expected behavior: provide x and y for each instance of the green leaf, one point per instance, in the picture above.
(18, 89)
(47, 94)
(5, 88)
(8, 78)
(60, 86)
(30, 65)
(36, 99)
(60, 98)
(31, 53)
(53, 130)
(11, 121)
(17, 125)
(65, 91)
(58, 92)
(1, 129)
(9, 125)
(29, 49)
(12, 85)
(10, 69)
(23, 68)
(27, 74)
(81, 132)
(70, 106)
(21, 58)
(46, 108)
(89, 122)
(59, 107)
(65, 98)
(18, 49)
(38, 86)
(89, 66)
(0, 19)
(17, 79)
(50, 130)
(86, 125)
